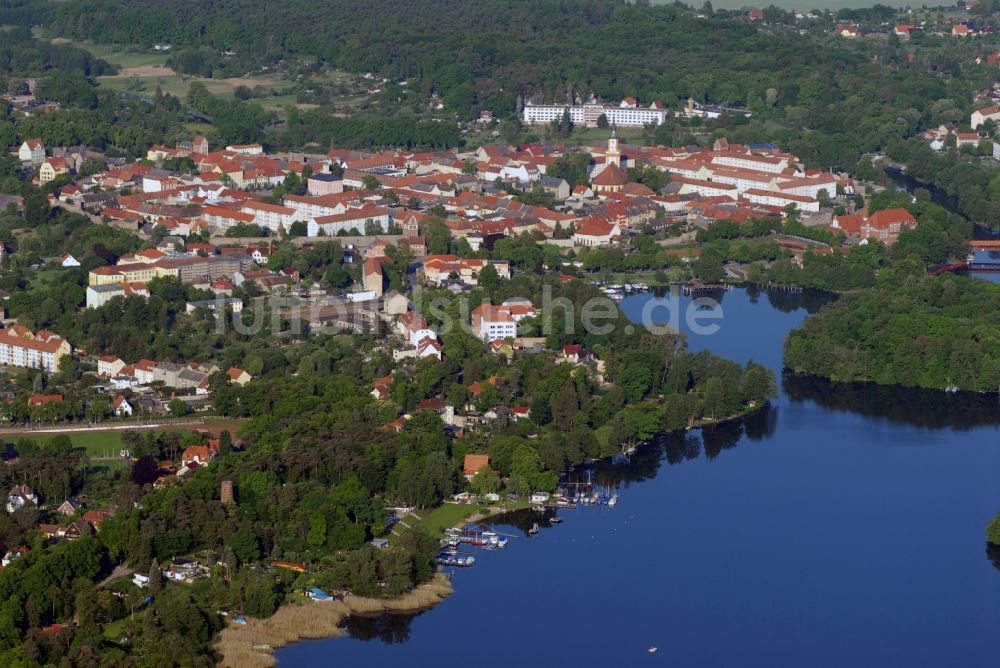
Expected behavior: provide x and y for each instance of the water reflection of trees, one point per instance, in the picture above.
(676, 448)
(390, 628)
(993, 554)
(932, 409)
(788, 301)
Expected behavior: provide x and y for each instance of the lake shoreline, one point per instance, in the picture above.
(252, 645)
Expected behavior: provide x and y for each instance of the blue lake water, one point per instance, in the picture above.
(843, 526)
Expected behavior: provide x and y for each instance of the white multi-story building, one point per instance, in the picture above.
(315, 207)
(743, 179)
(490, 323)
(352, 219)
(760, 163)
(627, 114)
(273, 217)
(809, 187)
(19, 347)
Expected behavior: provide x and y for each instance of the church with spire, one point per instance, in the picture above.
(612, 178)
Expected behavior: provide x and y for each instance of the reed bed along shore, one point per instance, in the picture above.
(251, 645)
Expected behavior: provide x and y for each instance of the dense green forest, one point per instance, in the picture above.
(23, 56)
(910, 329)
(827, 101)
(973, 185)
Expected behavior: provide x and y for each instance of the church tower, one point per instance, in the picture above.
(613, 156)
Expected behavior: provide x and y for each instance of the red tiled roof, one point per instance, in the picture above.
(473, 463)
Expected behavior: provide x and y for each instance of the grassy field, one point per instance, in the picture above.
(584, 135)
(116, 629)
(141, 71)
(109, 443)
(448, 515)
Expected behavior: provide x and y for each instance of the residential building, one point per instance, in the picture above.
(187, 268)
(36, 400)
(884, 225)
(20, 496)
(395, 303)
(491, 322)
(121, 407)
(439, 269)
(372, 276)
(970, 139)
(324, 184)
(246, 149)
(238, 376)
(99, 295)
(413, 328)
(44, 350)
(365, 220)
(198, 454)
(596, 232)
(52, 168)
(32, 151)
(273, 217)
(109, 366)
(473, 464)
(381, 388)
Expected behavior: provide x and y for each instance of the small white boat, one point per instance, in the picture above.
(651, 650)
(613, 501)
(534, 529)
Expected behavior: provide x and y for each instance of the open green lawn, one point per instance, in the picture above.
(178, 85)
(118, 54)
(116, 629)
(448, 515)
(587, 135)
(200, 128)
(109, 443)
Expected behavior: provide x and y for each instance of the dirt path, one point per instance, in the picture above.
(121, 571)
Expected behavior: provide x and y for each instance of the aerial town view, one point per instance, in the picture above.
(507, 332)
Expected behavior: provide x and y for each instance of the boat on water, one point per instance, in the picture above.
(533, 530)
(498, 544)
(462, 562)
(555, 519)
(613, 501)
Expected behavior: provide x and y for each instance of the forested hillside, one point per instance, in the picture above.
(831, 101)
